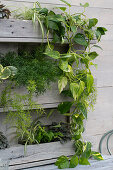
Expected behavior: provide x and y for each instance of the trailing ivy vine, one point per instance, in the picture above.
(77, 80)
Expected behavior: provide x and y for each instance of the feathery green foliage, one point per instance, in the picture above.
(33, 66)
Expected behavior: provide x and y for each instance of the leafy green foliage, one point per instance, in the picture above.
(82, 109)
(83, 161)
(62, 82)
(93, 55)
(96, 155)
(92, 22)
(33, 66)
(64, 107)
(80, 39)
(74, 67)
(74, 87)
(73, 162)
(62, 162)
(53, 54)
(7, 71)
(90, 82)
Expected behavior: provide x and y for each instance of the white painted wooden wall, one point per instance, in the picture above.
(101, 120)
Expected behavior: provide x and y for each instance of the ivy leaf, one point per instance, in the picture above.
(83, 161)
(62, 82)
(67, 93)
(85, 5)
(52, 25)
(90, 82)
(81, 87)
(66, 3)
(92, 22)
(73, 162)
(97, 155)
(102, 30)
(13, 70)
(53, 54)
(74, 87)
(6, 72)
(43, 11)
(82, 109)
(98, 35)
(99, 32)
(64, 107)
(80, 39)
(87, 150)
(62, 162)
(73, 28)
(62, 8)
(93, 55)
(65, 66)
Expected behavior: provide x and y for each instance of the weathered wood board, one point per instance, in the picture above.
(106, 164)
(36, 154)
(103, 14)
(93, 3)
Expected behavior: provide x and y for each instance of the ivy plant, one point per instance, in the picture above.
(77, 80)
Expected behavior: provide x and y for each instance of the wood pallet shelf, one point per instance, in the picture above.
(36, 155)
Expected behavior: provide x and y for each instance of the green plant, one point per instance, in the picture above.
(4, 12)
(7, 71)
(33, 66)
(39, 133)
(19, 112)
(75, 64)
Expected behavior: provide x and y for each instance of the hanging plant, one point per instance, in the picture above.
(77, 78)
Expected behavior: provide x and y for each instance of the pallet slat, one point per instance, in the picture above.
(36, 154)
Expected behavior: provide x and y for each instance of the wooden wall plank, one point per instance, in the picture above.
(93, 3)
(104, 15)
(36, 154)
(101, 119)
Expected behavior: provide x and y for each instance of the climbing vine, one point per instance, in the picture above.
(77, 80)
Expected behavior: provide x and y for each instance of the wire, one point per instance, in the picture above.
(109, 133)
